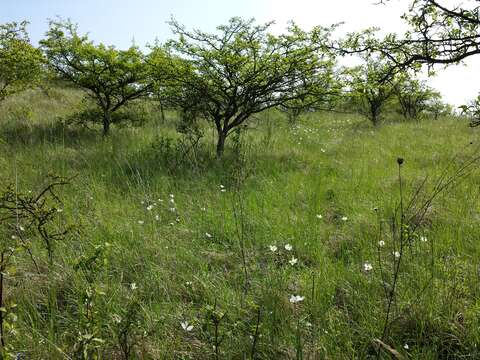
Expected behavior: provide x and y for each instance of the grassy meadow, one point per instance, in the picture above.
(283, 249)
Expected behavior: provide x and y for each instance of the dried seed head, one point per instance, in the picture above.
(400, 161)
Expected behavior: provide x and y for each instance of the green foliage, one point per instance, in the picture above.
(472, 110)
(145, 280)
(20, 62)
(242, 70)
(111, 77)
(415, 97)
(371, 88)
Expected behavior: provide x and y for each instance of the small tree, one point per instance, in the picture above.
(243, 70)
(111, 77)
(370, 90)
(472, 110)
(414, 97)
(20, 62)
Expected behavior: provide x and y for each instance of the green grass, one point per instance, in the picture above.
(333, 165)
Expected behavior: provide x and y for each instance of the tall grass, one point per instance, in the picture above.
(174, 259)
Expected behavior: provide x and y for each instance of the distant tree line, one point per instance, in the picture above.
(243, 69)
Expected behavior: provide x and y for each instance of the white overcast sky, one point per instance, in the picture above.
(117, 22)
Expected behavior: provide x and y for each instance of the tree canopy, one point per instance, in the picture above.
(20, 62)
(243, 69)
(110, 76)
(368, 88)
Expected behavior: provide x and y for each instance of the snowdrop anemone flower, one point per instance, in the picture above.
(157, 217)
(141, 222)
(319, 216)
(406, 347)
(367, 266)
(133, 286)
(186, 326)
(288, 247)
(171, 196)
(203, 209)
(344, 218)
(381, 243)
(272, 248)
(149, 207)
(172, 209)
(293, 261)
(423, 238)
(396, 254)
(21, 228)
(294, 299)
(208, 235)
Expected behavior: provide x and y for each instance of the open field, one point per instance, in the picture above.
(184, 256)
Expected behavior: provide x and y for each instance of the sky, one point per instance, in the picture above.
(119, 22)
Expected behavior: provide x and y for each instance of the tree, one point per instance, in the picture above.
(242, 70)
(324, 95)
(414, 96)
(111, 77)
(369, 91)
(472, 110)
(439, 34)
(20, 62)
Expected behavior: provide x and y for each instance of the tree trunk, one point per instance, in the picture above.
(162, 112)
(221, 143)
(374, 117)
(106, 122)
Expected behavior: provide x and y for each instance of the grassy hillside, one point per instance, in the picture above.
(188, 255)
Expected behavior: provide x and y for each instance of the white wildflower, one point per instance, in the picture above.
(288, 247)
(344, 218)
(296, 299)
(423, 239)
(293, 261)
(141, 222)
(319, 216)
(273, 248)
(149, 207)
(367, 266)
(381, 243)
(133, 286)
(208, 235)
(186, 326)
(396, 254)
